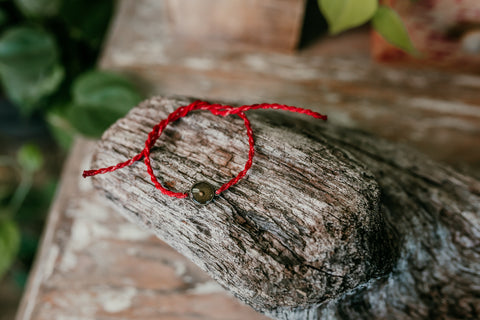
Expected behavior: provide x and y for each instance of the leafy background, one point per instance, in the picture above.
(342, 15)
(52, 91)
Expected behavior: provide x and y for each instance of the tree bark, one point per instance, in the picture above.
(329, 222)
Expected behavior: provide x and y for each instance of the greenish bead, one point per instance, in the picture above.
(202, 192)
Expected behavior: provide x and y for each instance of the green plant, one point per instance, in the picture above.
(342, 15)
(29, 161)
(48, 56)
(48, 51)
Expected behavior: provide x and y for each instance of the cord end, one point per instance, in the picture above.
(88, 173)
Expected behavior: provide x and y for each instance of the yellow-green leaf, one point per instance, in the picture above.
(390, 26)
(345, 14)
(30, 157)
(60, 128)
(9, 244)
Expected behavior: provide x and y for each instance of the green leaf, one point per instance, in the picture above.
(27, 91)
(9, 244)
(27, 50)
(30, 157)
(38, 8)
(91, 120)
(101, 88)
(345, 14)
(60, 128)
(389, 25)
(29, 66)
(99, 99)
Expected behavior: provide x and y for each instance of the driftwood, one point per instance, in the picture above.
(328, 223)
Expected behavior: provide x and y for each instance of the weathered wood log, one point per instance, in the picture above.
(329, 222)
(93, 264)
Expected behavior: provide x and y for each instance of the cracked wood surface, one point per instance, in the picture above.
(329, 222)
(94, 264)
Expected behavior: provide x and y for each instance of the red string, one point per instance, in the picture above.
(216, 109)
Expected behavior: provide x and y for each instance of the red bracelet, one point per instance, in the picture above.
(201, 192)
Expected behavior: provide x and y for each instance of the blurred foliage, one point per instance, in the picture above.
(342, 15)
(38, 8)
(9, 243)
(99, 98)
(48, 57)
(29, 66)
(30, 158)
(28, 161)
(48, 51)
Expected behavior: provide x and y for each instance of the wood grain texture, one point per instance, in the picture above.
(329, 222)
(266, 24)
(435, 112)
(269, 227)
(93, 264)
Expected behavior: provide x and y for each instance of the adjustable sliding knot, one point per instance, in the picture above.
(201, 192)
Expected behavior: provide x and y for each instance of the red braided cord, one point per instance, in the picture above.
(216, 109)
(251, 153)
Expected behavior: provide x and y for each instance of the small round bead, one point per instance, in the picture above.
(202, 192)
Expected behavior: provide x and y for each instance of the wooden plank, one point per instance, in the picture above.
(435, 111)
(268, 24)
(93, 264)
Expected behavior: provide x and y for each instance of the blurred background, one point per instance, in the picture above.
(404, 70)
(51, 91)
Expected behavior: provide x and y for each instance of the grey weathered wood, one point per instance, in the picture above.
(329, 222)
(94, 264)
